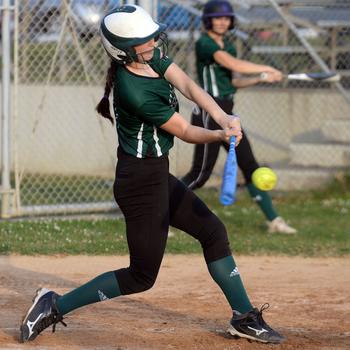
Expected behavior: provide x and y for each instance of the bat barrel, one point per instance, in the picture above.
(322, 76)
(229, 182)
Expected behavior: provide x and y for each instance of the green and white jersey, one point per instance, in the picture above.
(214, 79)
(141, 106)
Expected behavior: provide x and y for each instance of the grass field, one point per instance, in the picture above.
(322, 218)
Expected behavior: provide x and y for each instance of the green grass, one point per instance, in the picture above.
(322, 218)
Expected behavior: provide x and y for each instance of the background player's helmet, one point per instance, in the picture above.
(217, 8)
(128, 26)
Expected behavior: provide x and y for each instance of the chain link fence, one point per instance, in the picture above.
(63, 155)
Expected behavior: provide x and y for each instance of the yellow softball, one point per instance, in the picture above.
(264, 179)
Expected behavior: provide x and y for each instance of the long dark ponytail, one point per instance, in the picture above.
(103, 106)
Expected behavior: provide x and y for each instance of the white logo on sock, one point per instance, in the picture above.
(102, 296)
(31, 325)
(234, 272)
(258, 331)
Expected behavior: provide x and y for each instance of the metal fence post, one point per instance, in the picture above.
(5, 110)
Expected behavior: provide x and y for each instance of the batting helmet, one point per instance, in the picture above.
(217, 8)
(125, 27)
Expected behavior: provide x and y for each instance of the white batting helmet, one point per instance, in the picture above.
(125, 27)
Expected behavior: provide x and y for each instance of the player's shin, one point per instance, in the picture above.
(225, 273)
(101, 288)
(263, 200)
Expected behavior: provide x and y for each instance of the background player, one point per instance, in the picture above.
(216, 63)
(146, 109)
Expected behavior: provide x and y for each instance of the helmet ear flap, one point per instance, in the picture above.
(118, 55)
(207, 23)
(232, 24)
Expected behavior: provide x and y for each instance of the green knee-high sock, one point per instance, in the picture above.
(263, 199)
(225, 273)
(101, 288)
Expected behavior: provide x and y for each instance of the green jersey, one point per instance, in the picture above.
(215, 79)
(141, 105)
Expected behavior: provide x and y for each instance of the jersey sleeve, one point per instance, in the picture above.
(160, 64)
(231, 49)
(156, 113)
(205, 50)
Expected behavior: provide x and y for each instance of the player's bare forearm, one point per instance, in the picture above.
(265, 77)
(195, 134)
(240, 66)
(245, 82)
(176, 76)
(181, 128)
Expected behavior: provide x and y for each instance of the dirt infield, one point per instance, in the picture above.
(309, 300)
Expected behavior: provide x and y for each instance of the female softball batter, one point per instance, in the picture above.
(216, 63)
(146, 109)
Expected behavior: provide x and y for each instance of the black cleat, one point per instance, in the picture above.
(251, 325)
(42, 314)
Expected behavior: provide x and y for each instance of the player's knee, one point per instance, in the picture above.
(248, 171)
(201, 180)
(133, 280)
(142, 287)
(216, 243)
(144, 281)
(217, 234)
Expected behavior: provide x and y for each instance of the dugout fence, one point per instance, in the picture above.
(58, 156)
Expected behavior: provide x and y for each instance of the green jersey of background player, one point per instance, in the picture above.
(217, 68)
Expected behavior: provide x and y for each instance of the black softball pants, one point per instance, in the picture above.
(151, 199)
(205, 155)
